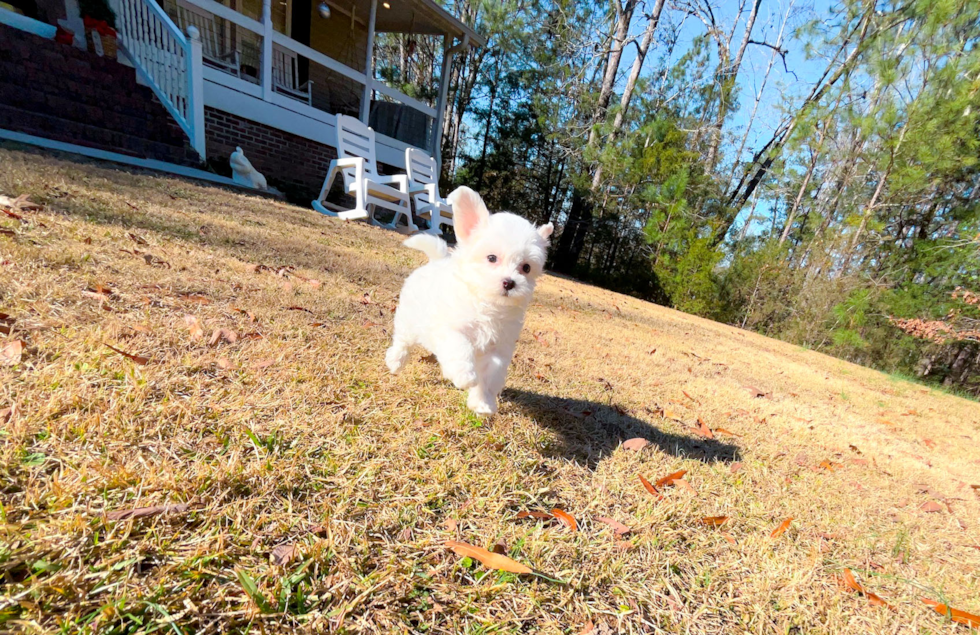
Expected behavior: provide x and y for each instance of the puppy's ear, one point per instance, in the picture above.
(545, 231)
(469, 213)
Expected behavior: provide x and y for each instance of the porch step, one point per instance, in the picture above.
(59, 92)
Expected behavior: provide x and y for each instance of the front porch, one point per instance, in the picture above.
(267, 75)
(280, 64)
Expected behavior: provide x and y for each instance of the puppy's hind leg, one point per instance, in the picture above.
(397, 354)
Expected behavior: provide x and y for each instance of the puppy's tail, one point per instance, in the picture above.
(432, 246)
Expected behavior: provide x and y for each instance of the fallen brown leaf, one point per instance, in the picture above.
(619, 529)
(195, 297)
(636, 443)
(99, 290)
(727, 432)
(139, 240)
(263, 363)
(7, 414)
(958, 616)
(854, 585)
(670, 478)
(138, 359)
(755, 392)
(727, 536)
(298, 308)
(22, 202)
(736, 467)
(682, 484)
(143, 512)
(931, 507)
(714, 521)
(538, 515)
(226, 335)
(250, 315)
(284, 554)
(703, 429)
(488, 558)
(650, 488)
(565, 518)
(11, 353)
(313, 282)
(194, 327)
(225, 364)
(779, 531)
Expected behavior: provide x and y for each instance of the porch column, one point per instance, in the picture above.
(267, 50)
(447, 62)
(369, 66)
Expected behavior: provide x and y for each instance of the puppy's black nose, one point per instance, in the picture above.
(508, 284)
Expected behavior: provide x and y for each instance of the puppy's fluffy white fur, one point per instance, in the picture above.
(466, 306)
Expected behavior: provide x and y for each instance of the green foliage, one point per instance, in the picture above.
(870, 210)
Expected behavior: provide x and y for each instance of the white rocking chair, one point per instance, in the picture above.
(357, 163)
(424, 189)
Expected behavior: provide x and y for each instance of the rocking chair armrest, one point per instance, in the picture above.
(433, 191)
(401, 180)
(350, 162)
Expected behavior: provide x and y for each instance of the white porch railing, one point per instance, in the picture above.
(168, 61)
(327, 88)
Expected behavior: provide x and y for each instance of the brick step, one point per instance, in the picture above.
(91, 136)
(142, 117)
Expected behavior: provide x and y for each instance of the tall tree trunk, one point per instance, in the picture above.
(806, 181)
(489, 126)
(624, 14)
(579, 222)
(624, 102)
(727, 77)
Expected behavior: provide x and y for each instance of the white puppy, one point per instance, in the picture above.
(467, 306)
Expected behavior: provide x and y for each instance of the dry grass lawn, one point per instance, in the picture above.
(315, 492)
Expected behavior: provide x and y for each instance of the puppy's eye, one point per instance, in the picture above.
(491, 258)
(526, 268)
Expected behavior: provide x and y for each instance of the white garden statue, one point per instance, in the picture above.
(243, 173)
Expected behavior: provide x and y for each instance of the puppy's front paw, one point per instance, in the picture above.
(395, 359)
(478, 403)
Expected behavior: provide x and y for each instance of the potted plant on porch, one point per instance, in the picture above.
(100, 26)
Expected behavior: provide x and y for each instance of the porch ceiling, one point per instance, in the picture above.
(412, 16)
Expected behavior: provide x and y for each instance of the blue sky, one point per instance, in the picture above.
(782, 88)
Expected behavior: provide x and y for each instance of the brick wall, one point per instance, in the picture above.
(295, 165)
(291, 163)
(58, 92)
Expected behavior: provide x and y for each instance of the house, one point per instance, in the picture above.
(196, 78)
